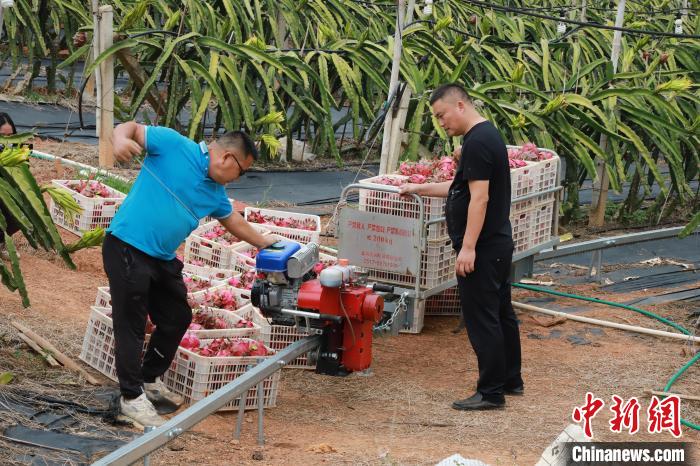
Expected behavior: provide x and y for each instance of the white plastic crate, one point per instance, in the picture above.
(103, 299)
(541, 223)
(231, 318)
(206, 281)
(209, 218)
(195, 377)
(522, 181)
(242, 297)
(277, 337)
(281, 336)
(520, 223)
(382, 202)
(98, 343)
(205, 252)
(545, 173)
(98, 212)
(437, 266)
(445, 303)
(301, 236)
(211, 273)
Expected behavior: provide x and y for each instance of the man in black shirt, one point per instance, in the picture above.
(477, 211)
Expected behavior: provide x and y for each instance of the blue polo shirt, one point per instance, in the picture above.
(152, 219)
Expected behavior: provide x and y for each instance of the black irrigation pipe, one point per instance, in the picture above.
(646, 32)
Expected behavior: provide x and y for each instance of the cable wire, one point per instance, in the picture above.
(646, 32)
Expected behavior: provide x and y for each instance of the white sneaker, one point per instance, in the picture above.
(141, 411)
(158, 393)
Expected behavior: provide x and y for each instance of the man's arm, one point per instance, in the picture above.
(427, 189)
(237, 226)
(129, 139)
(479, 192)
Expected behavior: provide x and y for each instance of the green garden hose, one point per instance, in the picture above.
(608, 303)
(630, 308)
(673, 380)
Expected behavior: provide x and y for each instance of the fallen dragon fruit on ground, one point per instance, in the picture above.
(309, 224)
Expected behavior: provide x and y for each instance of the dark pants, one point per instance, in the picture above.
(491, 324)
(141, 285)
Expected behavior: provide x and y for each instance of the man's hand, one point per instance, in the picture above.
(125, 149)
(269, 241)
(128, 140)
(409, 188)
(465, 261)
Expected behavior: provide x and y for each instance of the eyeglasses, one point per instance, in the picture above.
(241, 171)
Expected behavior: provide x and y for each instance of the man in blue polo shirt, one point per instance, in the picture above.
(180, 182)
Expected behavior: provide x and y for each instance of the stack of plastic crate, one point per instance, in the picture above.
(204, 251)
(531, 218)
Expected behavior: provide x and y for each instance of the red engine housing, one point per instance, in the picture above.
(360, 309)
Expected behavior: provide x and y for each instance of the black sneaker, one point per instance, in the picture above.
(476, 402)
(517, 391)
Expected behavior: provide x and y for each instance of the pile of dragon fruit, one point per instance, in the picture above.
(205, 319)
(195, 283)
(90, 188)
(309, 224)
(443, 169)
(429, 171)
(251, 252)
(220, 235)
(246, 280)
(225, 347)
(220, 299)
(527, 153)
(424, 171)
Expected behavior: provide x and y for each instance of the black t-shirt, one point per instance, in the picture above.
(484, 157)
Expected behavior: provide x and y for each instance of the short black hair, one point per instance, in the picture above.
(5, 119)
(239, 140)
(450, 89)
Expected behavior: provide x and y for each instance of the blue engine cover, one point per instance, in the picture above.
(275, 257)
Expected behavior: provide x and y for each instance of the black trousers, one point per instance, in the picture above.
(141, 285)
(491, 324)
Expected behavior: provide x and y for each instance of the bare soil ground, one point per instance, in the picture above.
(401, 413)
